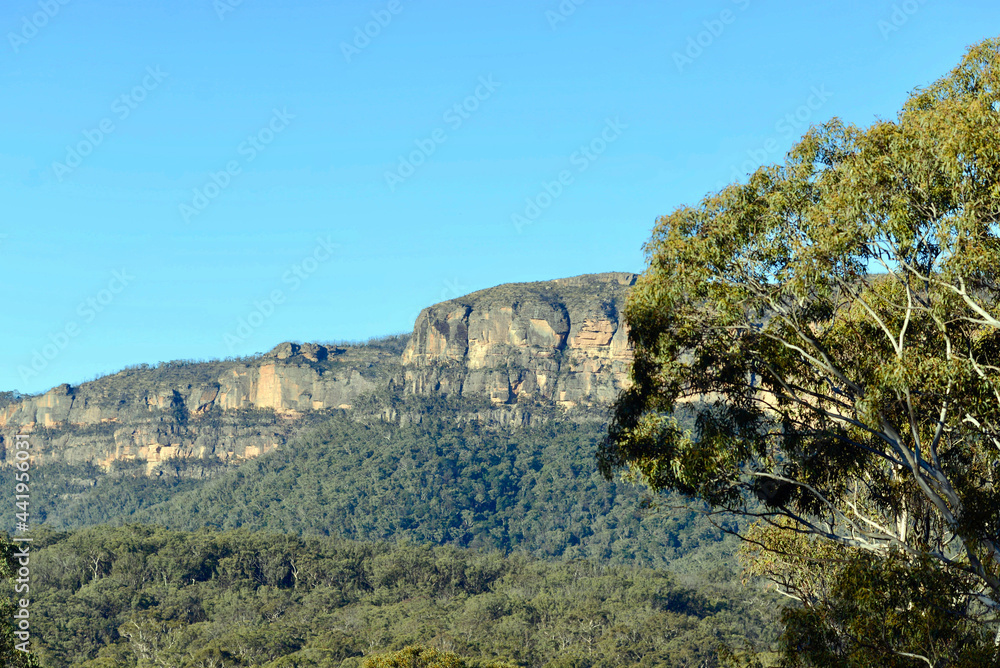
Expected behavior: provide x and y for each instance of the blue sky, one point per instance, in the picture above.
(196, 179)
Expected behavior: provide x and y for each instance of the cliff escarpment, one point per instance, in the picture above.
(504, 352)
(560, 342)
(224, 410)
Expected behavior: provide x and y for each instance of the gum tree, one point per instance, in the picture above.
(833, 326)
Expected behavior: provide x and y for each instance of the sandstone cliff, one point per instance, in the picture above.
(232, 410)
(519, 346)
(561, 341)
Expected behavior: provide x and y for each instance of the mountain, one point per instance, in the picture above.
(512, 352)
(137, 597)
(475, 433)
(558, 342)
(477, 430)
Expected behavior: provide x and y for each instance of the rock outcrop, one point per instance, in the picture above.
(231, 410)
(519, 346)
(561, 341)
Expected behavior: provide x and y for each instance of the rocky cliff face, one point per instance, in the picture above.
(225, 410)
(520, 345)
(561, 341)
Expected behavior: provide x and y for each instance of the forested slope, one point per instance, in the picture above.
(145, 596)
(535, 490)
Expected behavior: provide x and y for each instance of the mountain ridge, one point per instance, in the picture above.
(514, 350)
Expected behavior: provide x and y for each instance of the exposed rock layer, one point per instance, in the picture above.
(560, 341)
(520, 345)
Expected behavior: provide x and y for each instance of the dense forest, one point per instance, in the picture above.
(147, 596)
(775, 447)
(364, 537)
(535, 490)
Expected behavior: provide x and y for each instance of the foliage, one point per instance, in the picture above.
(866, 608)
(10, 655)
(9, 398)
(394, 344)
(142, 596)
(856, 407)
(564, 295)
(889, 611)
(116, 595)
(533, 490)
(69, 496)
(416, 656)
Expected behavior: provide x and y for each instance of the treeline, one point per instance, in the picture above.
(68, 496)
(139, 596)
(534, 490)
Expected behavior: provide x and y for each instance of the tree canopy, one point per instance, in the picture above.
(143, 597)
(833, 324)
(15, 652)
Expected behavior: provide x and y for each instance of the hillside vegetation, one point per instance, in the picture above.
(534, 490)
(145, 596)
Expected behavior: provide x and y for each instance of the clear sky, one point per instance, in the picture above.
(196, 179)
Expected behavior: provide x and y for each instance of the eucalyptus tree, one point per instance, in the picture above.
(833, 325)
